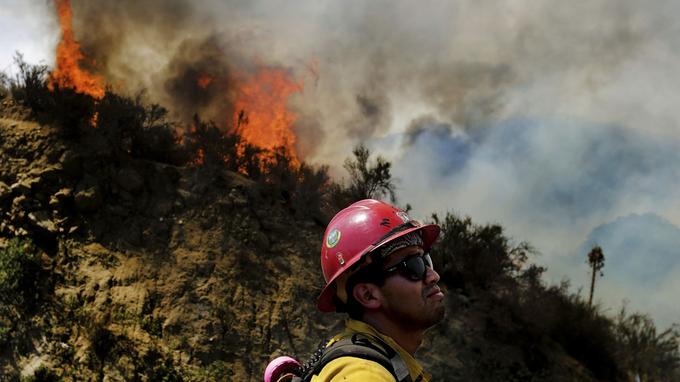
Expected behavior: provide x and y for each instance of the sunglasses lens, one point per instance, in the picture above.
(415, 267)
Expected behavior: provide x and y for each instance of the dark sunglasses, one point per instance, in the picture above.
(412, 267)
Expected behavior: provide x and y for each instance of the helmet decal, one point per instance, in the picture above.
(341, 259)
(404, 216)
(333, 238)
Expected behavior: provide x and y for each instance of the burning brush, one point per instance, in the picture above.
(251, 104)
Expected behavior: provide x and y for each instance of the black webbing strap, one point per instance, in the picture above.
(365, 347)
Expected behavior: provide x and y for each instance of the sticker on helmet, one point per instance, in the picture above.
(333, 238)
(341, 259)
(404, 217)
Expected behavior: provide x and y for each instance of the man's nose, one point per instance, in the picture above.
(431, 276)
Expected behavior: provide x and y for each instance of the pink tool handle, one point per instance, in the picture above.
(278, 367)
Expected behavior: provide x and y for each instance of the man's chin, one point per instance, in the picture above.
(441, 313)
(437, 316)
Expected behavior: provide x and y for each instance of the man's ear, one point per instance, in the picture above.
(368, 295)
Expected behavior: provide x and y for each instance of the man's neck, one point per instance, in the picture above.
(409, 339)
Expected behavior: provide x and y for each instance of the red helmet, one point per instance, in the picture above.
(357, 231)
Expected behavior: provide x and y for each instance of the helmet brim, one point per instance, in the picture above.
(325, 302)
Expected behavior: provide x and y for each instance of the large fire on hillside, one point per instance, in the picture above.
(255, 106)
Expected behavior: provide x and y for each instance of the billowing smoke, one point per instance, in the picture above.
(197, 81)
(164, 48)
(549, 118)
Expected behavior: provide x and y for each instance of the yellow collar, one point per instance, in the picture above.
(355, 326)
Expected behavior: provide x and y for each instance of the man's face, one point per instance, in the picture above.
(412, 304)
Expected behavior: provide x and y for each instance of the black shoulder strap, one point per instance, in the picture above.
(365, 347)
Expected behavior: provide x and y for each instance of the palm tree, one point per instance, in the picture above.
(596, 262)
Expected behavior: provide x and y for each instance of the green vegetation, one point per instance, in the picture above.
(366, 180)
(29, 86)
(644, 351)
(5, 85)
(19, 276)
(20, 283)
(484, 256)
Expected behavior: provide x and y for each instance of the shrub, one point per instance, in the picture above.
(42, 374)
(130, 125)
(209, 146)
(250, 160)
(19, 276)
(366, 181)
(301, 187)
(311, 190)
(644, 351)
(5, 85)
(158, 367)
(69, 110)
(138, 129)
(478, 256)
(582, 331)
(5, 334)
(102, 340)
(29, 85)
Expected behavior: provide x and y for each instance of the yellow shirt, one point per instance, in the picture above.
(351, 369)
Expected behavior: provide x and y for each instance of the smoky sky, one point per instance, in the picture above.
(556, 185)
(639, 247)
(551, 118)
(642, 250)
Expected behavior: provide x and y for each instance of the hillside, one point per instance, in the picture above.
(137, 269)
(153, 271)
(151, 264)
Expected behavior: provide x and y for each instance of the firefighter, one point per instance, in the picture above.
(376, 263)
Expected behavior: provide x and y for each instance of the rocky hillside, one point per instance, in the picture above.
(154, 271)
(145, 271)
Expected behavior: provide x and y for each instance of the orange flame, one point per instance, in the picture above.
(68, 73)
(261, 115)
(94, 119)
(199, 159)
(204, 80)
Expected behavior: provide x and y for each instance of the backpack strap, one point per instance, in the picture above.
(364, 347)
